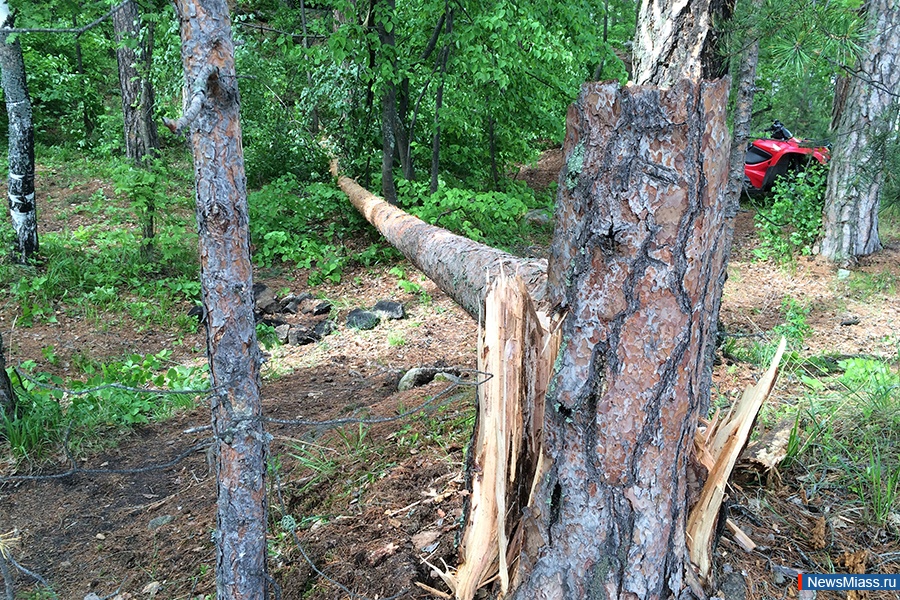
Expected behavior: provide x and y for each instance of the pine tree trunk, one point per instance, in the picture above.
(637, 265)
(226, 275)
(866, 124)
(141, 136)
(20, 191)
(745, 85)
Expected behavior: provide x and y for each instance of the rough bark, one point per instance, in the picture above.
(637, 266)
(745, 87)
(868, 118)
(386, 9)
(20, 190)
(141, 136)
(460, 267)
(672, 42)
(226, 276)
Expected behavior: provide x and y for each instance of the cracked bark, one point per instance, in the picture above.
(226, 277)
(867, 119)
(20, 188)
(141, 136)
(637, 265)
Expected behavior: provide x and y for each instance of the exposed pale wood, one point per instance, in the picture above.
(724, 447)
(518, 352)
(743, 540)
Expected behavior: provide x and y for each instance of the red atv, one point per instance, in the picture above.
(768, 158)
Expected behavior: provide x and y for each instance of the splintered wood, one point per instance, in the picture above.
(718, 448)
(516, 352)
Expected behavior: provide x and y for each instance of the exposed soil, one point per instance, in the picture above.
(372, 503)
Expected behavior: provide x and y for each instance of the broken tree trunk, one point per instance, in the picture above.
(460, 267)
(212, 114)
(635, 275)
(637, 266)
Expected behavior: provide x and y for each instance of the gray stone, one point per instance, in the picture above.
(537, 216)
(324, 328)
(282, 332)
(323, 308)
(298, 336)
(423, 375)
(362, 319)
(843, 274)
(159, 522)
(388, 309)
(291, 303)
(264, 297)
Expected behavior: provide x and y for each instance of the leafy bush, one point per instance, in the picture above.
(46, 414)
(308, 227)
(793, 222)
(494, 218)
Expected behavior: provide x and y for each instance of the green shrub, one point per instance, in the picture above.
(793, 222)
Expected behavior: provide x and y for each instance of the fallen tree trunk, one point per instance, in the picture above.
(460, 267)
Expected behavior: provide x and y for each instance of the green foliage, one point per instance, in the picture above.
(491, 217)
(850, 438)
(265, 335)
(760, 351)
(46, 415)
(308, 226)
(793, 222)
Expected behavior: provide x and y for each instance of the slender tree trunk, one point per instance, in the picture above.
(20, 190)
(439, 103)
(866, 123)
(226, 275)
(745, 86)
(141, 136)
(8, 398)
(385, 13)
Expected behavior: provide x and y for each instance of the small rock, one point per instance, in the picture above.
(323, 308)
(282, 332)
(151, 588)
(422, 375)
(537, 216)
(159, 522)
(362, 319)
(324, 328)
(264, 297)
(92, 596)
(843, 274)
(850, 321)
(299, 336)
(291, 303)
(388, 309)
(100, 536)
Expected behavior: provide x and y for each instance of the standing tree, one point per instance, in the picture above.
(212, 114)
(134, 53)
(867, 118)
(20, 191)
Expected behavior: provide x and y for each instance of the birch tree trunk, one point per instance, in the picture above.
(226, 275)
(20, 190)
(868, 118)
(134, 53)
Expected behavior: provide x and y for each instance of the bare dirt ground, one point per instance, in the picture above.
(371, 503)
